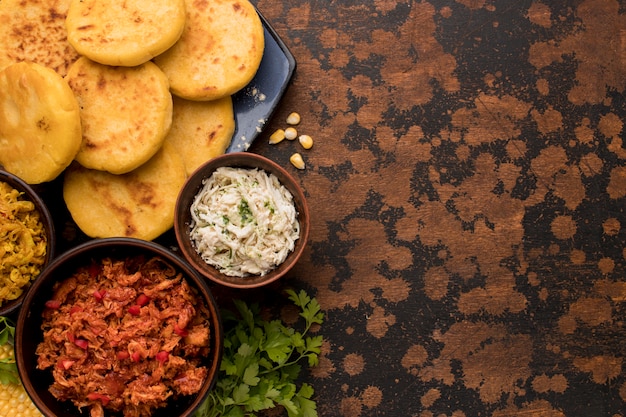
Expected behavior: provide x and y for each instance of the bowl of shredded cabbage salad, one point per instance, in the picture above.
(242, 220)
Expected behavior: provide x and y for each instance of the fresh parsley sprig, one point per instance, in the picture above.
(261, 362)
(8, 367)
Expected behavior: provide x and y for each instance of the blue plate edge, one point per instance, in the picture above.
(242, 139)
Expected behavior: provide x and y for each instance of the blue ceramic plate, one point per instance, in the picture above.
(255, 103)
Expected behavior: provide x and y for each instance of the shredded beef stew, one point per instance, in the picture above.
(124, 336)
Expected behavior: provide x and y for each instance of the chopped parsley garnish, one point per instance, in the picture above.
(245, 212)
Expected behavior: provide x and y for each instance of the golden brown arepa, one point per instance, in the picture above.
(124, 33)
(125, 111)
(138, 204)
(201, 130)
(34, 31)
(40, 130)
(219, 51)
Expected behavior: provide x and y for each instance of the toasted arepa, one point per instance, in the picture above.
(219, 51)
(201, 130)
(124, 33)
(34, 31)
(138, 204)
(40, 128)
(125, 111)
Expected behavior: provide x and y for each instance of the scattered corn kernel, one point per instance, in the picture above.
(306, 141)
(293, 119)
(291, 133)
(277, 136)
(297, 161)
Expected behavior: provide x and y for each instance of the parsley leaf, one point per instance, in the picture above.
(8, 368)
(261, 362)
(7, 331)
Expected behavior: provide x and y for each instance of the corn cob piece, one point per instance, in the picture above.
(14, 401)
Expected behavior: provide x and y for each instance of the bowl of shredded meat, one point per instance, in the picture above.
(118, 327)
(242, 220)
(27, 240)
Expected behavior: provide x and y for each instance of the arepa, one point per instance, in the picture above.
(34, 31)
(201, 130)
(40, 128)
(138, 204)
(124, 33)
(125, 111)
(219, 51)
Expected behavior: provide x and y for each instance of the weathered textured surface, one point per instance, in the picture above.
(467, 188)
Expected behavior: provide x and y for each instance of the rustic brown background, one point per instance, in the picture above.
(467, 188)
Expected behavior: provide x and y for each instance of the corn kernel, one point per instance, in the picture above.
(297, 161)
(293, 119)
(306, 141)
(291, 133)
(277, 136)
(6, 351)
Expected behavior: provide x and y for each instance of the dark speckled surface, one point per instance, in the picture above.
(467, 189)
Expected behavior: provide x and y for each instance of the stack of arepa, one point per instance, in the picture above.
(124, 98)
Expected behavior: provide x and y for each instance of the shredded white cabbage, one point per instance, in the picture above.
(244, 221)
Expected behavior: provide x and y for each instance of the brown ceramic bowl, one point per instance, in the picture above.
(10, 307)
(28, 332)
(183, 219)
